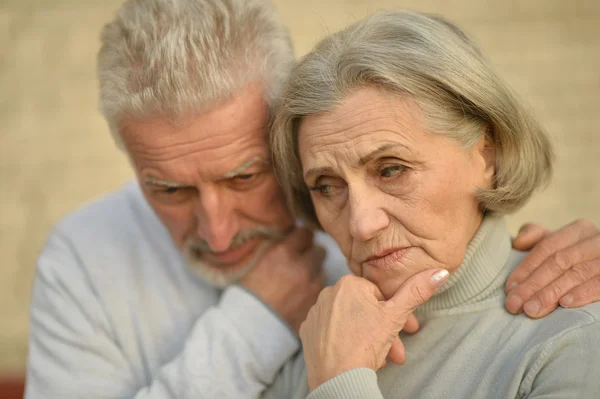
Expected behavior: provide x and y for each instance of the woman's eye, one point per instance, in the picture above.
(390, 171)
(323, 189)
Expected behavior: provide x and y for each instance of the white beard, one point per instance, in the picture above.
(222, 278)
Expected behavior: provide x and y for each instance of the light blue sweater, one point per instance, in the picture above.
(115, 313)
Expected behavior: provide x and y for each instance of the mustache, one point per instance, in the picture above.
(197, 244)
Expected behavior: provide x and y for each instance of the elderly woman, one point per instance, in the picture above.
(398, 139)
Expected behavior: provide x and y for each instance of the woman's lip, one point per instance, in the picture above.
(384, 253)
(386, 259)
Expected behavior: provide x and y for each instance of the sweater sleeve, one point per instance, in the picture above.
(353, 384)
(567, 367)
(234, 350)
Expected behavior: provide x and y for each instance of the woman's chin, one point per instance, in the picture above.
(388, 286)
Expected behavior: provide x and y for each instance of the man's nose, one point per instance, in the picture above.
(367, 216)
(217, 218)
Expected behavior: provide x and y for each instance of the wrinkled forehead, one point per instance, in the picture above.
(366, 119)
(241, 118)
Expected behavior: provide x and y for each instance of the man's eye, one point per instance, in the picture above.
(172, 195)
(247, 176)
(169, 190)
(391, 170)
(245, 181)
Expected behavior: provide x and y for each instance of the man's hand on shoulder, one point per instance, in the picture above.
(563, 268)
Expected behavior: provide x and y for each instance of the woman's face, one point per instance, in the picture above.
(396, 198)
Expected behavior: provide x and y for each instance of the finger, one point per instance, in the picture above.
(397, 353)
(414, 292)
(369, 287)
(529, 235)
(583, 294)
(412, 325)
(550, 270)
(545, 301)
(563, 238)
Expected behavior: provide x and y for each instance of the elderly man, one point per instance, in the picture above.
(193, 281)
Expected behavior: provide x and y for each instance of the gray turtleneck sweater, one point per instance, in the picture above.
(469, 346)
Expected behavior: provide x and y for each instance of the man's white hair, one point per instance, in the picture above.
(175, 58)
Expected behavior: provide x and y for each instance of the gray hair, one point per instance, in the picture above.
(434, 63)
(177, 57)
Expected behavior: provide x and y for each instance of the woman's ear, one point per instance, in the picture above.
(485, 152)
(488, 152)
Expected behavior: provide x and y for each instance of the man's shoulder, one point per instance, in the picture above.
(108, 229)
(114, 209)
(115, 216)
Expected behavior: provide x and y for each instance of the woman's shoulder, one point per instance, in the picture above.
(564, 324)
(565, 353)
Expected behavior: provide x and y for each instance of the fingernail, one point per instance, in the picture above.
(439, 278)
(532, 307)
(566, 301)
(512, 286)
(514, 303)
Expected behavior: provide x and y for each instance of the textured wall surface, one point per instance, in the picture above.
(56, 153)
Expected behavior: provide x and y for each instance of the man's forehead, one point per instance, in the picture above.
(157, 179)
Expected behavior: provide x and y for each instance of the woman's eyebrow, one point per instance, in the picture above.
(317, 171)
(367, 158)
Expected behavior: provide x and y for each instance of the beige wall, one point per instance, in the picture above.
(55, 151)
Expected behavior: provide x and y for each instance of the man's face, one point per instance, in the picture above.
(210, 183)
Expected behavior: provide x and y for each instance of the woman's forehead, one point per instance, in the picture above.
(364, 122)
(362, 112)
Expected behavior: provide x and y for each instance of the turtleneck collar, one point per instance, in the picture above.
(481, 272)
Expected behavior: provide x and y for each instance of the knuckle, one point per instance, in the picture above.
(302, 330)
(581, 273)
(419, 293)
(563, 260)
(324, 293)
(595, 285)
(527, 288)
(550, 296)
(585, 225)
(346, 280)
(546, 248)
(519, 275)
(589, 290)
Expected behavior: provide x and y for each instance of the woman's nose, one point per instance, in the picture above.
(367, 216)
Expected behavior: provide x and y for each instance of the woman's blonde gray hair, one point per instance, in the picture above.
(438, 66)
(176, 57)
